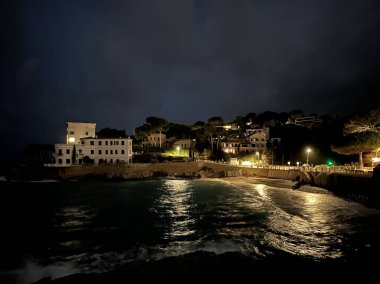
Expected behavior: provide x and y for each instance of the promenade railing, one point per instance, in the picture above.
(316, 169)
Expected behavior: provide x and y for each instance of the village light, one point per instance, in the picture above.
(178, 150)
(258, 156)
(72, 140)
(308, 150)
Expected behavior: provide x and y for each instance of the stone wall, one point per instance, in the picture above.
(140, 170)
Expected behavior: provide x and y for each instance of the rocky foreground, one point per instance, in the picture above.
(233, 267)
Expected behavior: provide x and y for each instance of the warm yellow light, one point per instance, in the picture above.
(177, 148)
(308, 150)
(72, 140)
(376, 160)
(246, 163)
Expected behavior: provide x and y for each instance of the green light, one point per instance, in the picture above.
(330, 162)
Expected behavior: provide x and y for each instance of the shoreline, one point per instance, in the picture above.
(360, 189)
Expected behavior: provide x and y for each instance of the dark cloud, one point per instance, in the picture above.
(117, 62)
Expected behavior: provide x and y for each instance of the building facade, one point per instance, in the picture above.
(182, 143)
(308, 121)
(86, 148)
(77, 130)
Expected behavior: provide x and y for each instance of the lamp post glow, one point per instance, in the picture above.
(298, 164)
(258, 156)
(178, 150)
(308, 150)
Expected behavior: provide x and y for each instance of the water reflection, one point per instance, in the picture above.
(175, 205)
(299, 223)
(74, 218)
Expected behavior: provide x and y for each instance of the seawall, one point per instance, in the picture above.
(150, 170)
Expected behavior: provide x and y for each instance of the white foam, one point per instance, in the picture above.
(33, 271)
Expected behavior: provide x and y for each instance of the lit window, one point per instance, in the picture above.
(72, 140)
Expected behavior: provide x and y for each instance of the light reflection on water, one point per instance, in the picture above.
(98, 226)
(175, 204)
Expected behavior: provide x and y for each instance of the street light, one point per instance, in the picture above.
(298, 164)
(258, 156)
(178, 150)
(308, 150)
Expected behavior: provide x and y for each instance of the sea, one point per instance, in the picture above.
(56, 228)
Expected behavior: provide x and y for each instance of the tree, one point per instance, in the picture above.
(357, 143)
(214, 127)
(153, 125)
(157, 124)
(364, 123)
(361, 134)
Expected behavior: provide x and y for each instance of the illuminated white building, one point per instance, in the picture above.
(255, 142)
(182, 143)
(82, 146)
(77, 130)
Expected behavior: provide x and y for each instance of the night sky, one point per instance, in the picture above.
(117, 62)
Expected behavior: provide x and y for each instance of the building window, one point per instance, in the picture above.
(106, 143)
(60, 152)
(82, 142)
(122, 152)
(122, 142)
(67, 161)
(72, 132)
(106, 152)
(111, 161)
(67, 151)
(91, 142)
(100, 143)
(86, 133)
(111, 142)
(59, 161)
(111, 152)
(100, 152)
(115, 152)
(92, 152)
